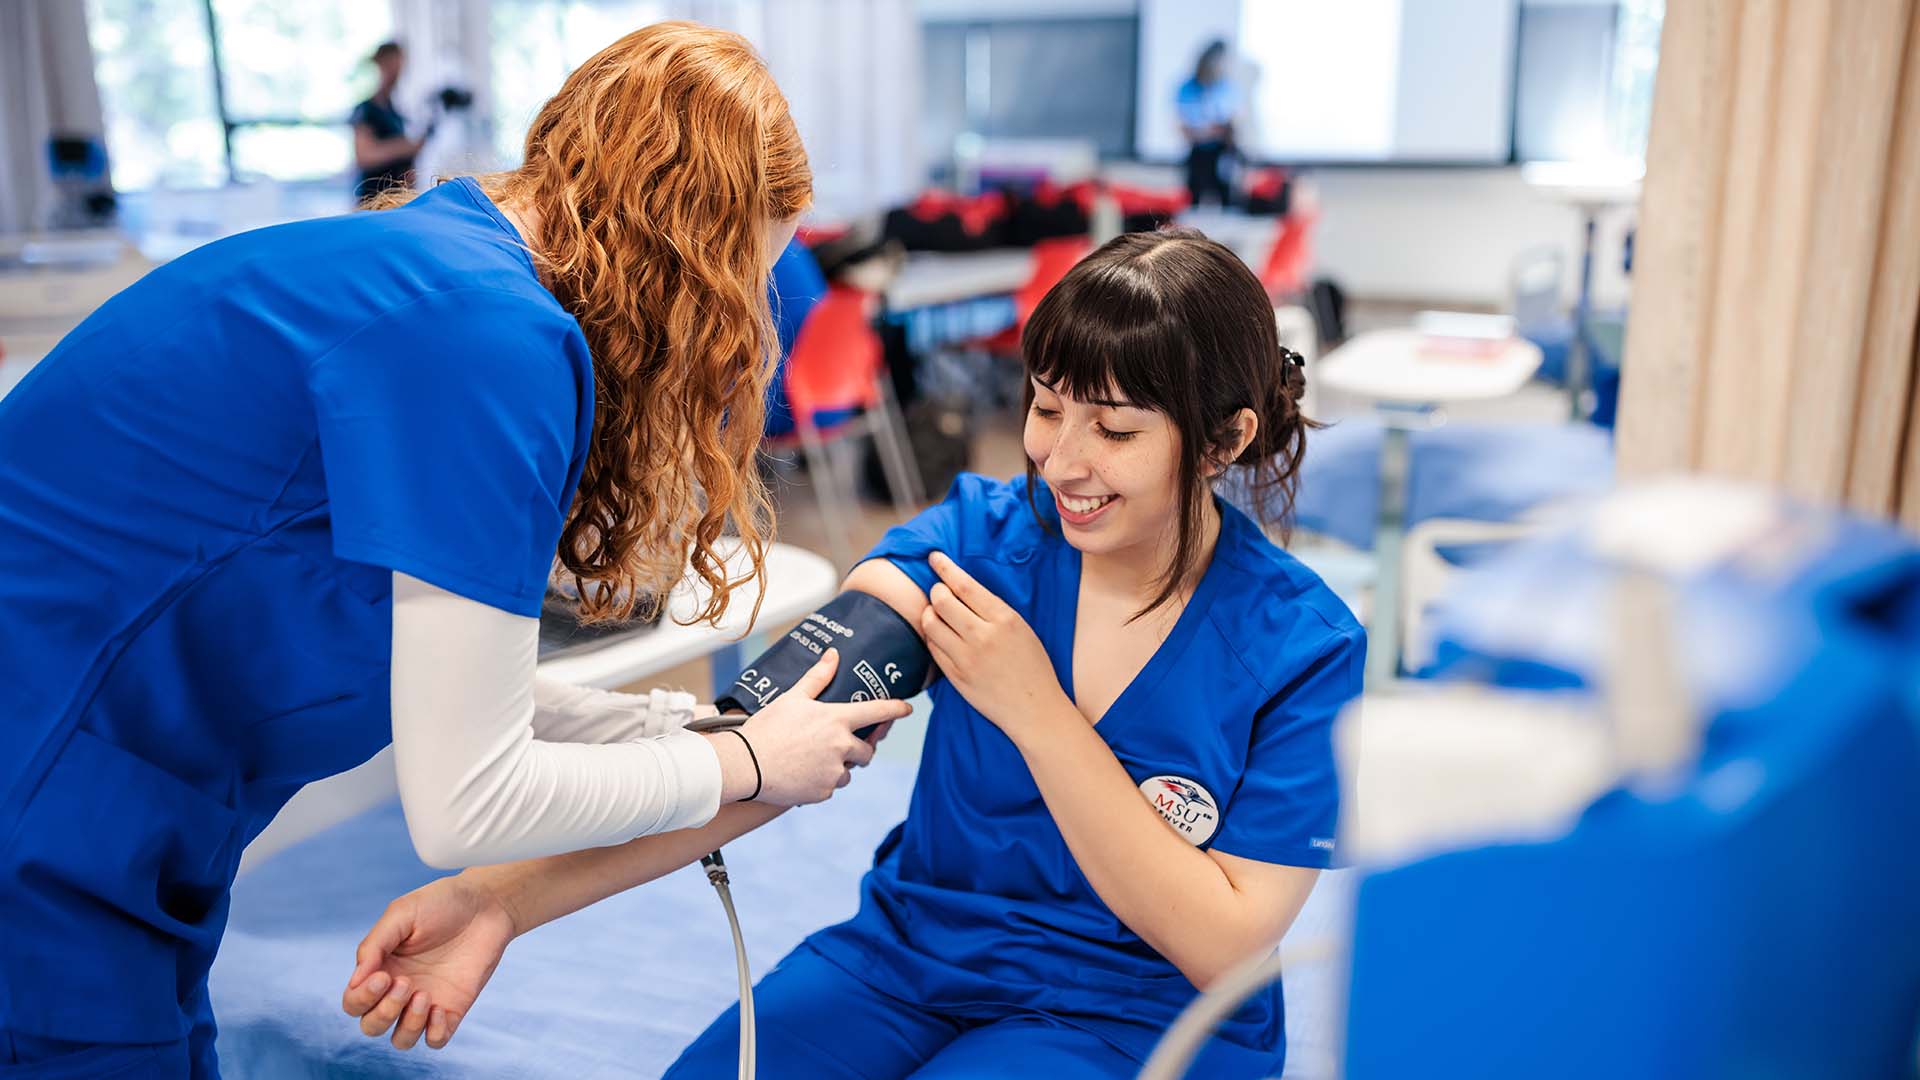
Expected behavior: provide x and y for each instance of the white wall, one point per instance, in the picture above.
(970, 10)
(1443, 235)
(1451, 234)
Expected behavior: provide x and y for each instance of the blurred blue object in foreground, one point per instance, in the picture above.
(1752, 910)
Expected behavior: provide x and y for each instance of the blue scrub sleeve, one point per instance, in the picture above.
(448, 432)
(1287, 804)
(976, 512)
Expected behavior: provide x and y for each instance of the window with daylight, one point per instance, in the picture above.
(200, 92)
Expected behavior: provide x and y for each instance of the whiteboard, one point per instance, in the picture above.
(1354, 81)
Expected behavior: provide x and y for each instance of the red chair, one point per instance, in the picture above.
(1051, 261)
(836, 358)
(815, 235)
(1161, 204)
(1290, 260)
(838, 387)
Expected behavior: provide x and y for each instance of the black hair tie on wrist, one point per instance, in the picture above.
(753, 757)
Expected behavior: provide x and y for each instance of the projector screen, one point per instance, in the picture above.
(1349, 81)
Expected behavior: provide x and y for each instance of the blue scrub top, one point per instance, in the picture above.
(1203, 105)
(206, 488)
(975, 906)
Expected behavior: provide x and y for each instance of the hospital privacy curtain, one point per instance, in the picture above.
(1772, 337)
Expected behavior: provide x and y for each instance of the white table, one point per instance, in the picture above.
(932, 278)
(55, 295)
(1407, 374)
(797, 581)
(1250, 236)
(69, 247)
(1405, 367)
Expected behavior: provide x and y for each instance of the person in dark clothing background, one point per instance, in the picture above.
(382, 152)
(1207, 104)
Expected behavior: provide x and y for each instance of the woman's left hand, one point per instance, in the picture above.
(428, 957)
(988, 652)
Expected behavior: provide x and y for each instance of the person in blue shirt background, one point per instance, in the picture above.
(1128, 784)
(1208, 105)
(299, 493)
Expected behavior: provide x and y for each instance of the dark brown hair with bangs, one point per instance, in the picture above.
(1174, 322)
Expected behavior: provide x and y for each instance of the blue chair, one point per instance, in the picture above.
(1535, 284)
(1606, 344)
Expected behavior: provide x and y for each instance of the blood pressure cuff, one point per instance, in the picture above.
(881, 656)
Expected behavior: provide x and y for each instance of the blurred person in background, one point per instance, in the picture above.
(1208, 104)
(383, 153)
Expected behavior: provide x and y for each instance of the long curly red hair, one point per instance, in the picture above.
(655, 174)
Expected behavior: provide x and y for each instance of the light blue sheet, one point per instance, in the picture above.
(618, 989)
(1480, 472)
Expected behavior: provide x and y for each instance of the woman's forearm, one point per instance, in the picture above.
(538, 891)
(480, 787)
(566, 712)
(1166, 890)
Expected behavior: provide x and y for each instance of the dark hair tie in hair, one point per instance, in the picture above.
(1293, 358)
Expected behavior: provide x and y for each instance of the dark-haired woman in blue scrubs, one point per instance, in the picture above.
(1128, 785)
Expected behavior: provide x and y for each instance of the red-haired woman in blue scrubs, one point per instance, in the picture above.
(299, 493)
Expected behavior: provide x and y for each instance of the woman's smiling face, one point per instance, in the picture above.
(1113, 469)
(1154, 366)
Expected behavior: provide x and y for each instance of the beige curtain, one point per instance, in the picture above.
(1777, 283)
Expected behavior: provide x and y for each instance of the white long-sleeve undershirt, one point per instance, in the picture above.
(496, 765)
